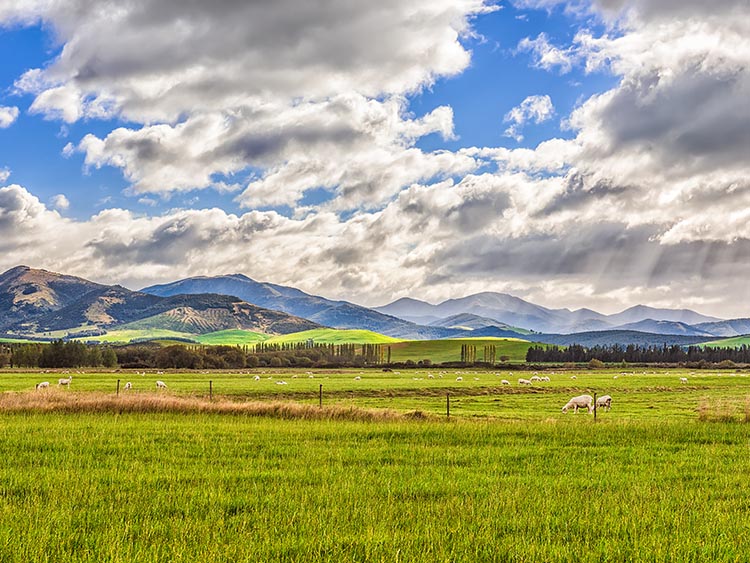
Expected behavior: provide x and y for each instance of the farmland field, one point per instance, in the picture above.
(508, 477)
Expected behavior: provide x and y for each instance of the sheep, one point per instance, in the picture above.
(535, 378)
(604, 402)
(582, 401)
(459, 378)
(522, 381)
(573, 377)
(160, 384)
(281, 383)
(505, 382)
(256, 378)
(430, 376)
(42, 385)
(357, 378)
(683, 380)
(128, 385)
(545, 378)
(65, 381)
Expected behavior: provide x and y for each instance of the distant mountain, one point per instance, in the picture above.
(516, 312)
(642, 313)
(733, 327)
(620, 337)
(35, 302)
(336, 314)
(664, 327)
(467, 321)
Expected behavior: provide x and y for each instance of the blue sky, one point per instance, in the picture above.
(498, 79)
(574, 154)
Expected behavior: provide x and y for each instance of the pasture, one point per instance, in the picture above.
(508, 477)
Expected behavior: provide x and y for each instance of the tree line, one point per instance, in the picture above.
(638, 354)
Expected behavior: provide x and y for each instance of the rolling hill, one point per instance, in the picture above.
(338, 314)
(41, 303)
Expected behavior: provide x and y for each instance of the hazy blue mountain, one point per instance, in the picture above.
(514, 311)
(732, 327)
(336, 314)
(664, 327)
(642, 313)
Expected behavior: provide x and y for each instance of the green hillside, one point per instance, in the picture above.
(128, 335)
(450, 350)
(734, 342)
(231, 337)
(334, 336)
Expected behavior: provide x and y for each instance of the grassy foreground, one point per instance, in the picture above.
(205, 487)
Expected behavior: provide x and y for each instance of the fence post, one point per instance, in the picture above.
(118, 387)
(447, 405)
(320, 396)
(210, 390)
(594, 407)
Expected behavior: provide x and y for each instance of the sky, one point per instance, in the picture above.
(575, 154)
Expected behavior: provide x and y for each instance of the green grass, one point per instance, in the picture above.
(182, 488)
(231, 337)
(334, 336)
(734, 342)
(439, 351)
(128, 335)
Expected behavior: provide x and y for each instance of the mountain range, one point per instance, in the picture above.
(39, 303)
(46, 304)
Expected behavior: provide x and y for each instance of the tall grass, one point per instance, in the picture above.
(205, 487)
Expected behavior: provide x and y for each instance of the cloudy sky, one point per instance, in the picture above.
(571, 153)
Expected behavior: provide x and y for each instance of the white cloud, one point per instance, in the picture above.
(8, 116)
(536, 109)
(546, 55)
(60, 202)
(4, 175)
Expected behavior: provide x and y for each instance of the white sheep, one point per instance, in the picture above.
(573, 377)
(535, 378)
(256, 378)
(459, 378)
(505, 382)
(522, 381)
(545, 378)
(580, 402)
(604, 402)
(160, 384)
(128, 385)
(281, 383)
(65, 380)
(683, 380)
(42, 385)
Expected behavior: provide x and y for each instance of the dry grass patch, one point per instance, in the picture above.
(54, 401)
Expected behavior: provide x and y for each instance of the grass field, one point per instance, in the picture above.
(127, 335)
(508, 477)
(439, 351)
(734, 342)
(231, 337)
(334, 336)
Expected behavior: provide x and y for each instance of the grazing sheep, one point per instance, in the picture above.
(459, 378)
(545, 378)
(580, 402)
(604, 402)
(683, 380)
(573, 377)
(256, 378)
(357, 378)
(65, 381)
(160, 384)
(430, 376)
(42, 385)
(505, 382)
(522, 381)
(535, 378)
(128, 385)
(281, 383)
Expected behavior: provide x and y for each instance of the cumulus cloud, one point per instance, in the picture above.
(536, 109)
(8, 116)
(4, 174)
(546, 55)
(60, 202)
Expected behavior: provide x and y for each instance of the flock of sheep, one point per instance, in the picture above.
(576, 403)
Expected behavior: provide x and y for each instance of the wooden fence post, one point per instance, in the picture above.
(594, 407)
(210, 390)
(118, 388)
(447, 405)
(320, 396)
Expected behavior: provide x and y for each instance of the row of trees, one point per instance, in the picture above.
(638, 354)
(57, 354)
